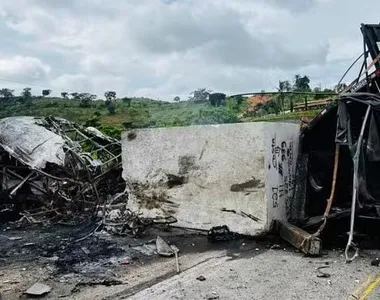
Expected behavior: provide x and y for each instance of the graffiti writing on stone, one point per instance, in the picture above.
(281, 163)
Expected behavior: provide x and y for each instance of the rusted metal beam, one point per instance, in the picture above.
(299, 238)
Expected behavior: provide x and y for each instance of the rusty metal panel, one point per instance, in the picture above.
(299, 238)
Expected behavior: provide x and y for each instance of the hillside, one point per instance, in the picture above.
(141, 112)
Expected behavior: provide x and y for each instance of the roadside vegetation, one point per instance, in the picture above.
(112, 114)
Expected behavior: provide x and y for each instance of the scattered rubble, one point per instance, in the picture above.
(38, 289)
(375, 262)
(148, 249)
(163, 248)
(323, 274)
(221, 233)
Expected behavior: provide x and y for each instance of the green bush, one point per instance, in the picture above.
(112, 131)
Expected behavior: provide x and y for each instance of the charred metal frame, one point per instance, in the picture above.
(371, 43)
(81, 184)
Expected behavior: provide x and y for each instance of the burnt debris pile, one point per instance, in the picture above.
(51, 168)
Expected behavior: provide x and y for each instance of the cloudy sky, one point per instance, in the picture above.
(164, 48)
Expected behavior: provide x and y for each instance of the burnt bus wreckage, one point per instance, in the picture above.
(50, 167)
(54, 170)
(341, 149)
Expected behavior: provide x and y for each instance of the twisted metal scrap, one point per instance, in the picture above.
(90, 170)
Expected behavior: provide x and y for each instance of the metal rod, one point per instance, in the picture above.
(377, 86)
(332, 193)
(365, 64)
(348, 70)
(355, 188)
(21, 184)
(31, 183)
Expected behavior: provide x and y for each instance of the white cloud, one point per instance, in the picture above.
(163, 48)
(72, 83)
(23, 68)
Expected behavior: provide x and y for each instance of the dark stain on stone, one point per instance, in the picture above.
(175, 180)
(250, 184)
(203, 150)
(131, 136)
(152, 201)
(149, 198)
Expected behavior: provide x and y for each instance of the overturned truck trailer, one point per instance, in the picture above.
(51, 167)
(342, 149)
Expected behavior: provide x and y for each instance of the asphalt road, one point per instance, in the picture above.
(238, 269)
(273, 274)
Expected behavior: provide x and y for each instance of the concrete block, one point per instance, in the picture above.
(239, 175)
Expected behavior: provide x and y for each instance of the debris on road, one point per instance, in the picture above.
(375, 262)
(299, 238)
(214, 296)
(105, 282)
(220, 233)
(12, 238)
(275, 247)
(163, 247)
(323, 274)
(148, 249)
(201, 278)
(38, 289)
(176, 250)
(125, 261)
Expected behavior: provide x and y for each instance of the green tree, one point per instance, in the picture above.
(6, 94)
(26, 93)
(64, 95)
(75, 96)
(46, 93)
(200, 94)
(177, 99)
(284, 86)
(86, 99)
(110, 95)
(301, 83)
(217, 99)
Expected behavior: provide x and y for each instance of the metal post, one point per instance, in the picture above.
(365, 64)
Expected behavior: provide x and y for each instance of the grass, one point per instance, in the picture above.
(287, 116)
